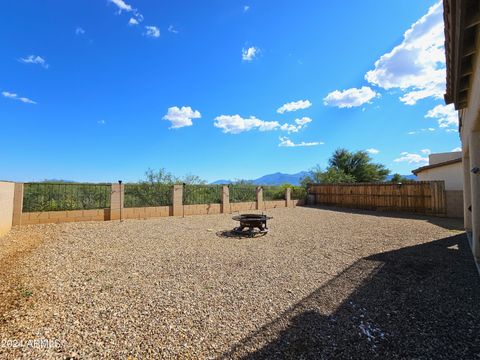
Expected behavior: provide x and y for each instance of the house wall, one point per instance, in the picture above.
(454, 203)
(7, 190)
(451, 174)
(470, 136)
(442, 157)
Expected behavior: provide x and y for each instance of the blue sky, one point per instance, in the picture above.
(101, 90)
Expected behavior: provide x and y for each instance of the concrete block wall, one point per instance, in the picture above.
(117, 210)
(7, 191)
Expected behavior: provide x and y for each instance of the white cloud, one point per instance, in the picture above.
(294, 106)
(286, 142)
(133, 21)
(79, 31)
(101, 122)
(414, 132)
(14, 96)
(446, 115)
(426, 151)
(122, 5)
(172, 29)
(250, 53)
(303, 121)
(152, 31)
(412, 158)
(246, 8)
(350, 98)
(417, 65)
(181, 117)
(35, 59)
(457, 149)
(235, 124)
(372, 151)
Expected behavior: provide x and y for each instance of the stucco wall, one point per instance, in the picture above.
(6, 206)
(454, 200)
(452, 175)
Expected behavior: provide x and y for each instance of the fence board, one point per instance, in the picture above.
(427, 197)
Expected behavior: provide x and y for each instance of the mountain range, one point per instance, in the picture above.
(281, 178)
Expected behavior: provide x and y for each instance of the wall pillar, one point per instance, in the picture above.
(117, 196)
(17, 204)
(259, 197)
(288, 197)
(177, 200)
(467, 193)
(225, 199)
(474, 150)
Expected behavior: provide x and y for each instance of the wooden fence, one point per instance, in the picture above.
(427, 197)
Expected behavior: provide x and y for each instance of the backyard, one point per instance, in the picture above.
(322, 283)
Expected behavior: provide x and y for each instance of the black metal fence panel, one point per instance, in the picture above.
(65, 196)
(273, 193)
(202, 194)
(242, 193)
(298, 193)
(141, 195)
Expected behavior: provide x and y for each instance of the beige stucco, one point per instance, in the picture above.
(470, 136)
(451, 174)
(7, 190)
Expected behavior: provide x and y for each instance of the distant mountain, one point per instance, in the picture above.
(273, 179)
(294, 179)
(222, 182)
(409, 177)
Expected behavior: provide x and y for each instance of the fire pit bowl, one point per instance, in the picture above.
(251, 224)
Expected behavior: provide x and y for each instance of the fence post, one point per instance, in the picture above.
(259, 197)
(117, 196)
(288, 197)
(17, 204)
(177, 200)
(225, 199)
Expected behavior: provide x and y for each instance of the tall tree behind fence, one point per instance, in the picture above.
(427, 197)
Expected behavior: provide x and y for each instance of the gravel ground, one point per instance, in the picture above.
(321, 284)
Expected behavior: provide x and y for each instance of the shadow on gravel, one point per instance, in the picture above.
(444, 222)
(417, 302)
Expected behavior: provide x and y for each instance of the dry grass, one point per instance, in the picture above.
(171, 287)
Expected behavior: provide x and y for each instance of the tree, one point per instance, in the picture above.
(162, 176)
(397, 178)
(347, 167)
(359, 165)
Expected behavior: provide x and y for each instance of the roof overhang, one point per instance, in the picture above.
(433, 166)
(461, 18)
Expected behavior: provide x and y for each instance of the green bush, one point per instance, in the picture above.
(65, 196)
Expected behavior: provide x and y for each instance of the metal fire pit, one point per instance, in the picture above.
(251, 224)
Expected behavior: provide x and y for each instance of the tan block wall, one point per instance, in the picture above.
(245, 206)
(273, 204)
(454, 200)
(65, 216)
(298, 202)
(147, 212)
(7, 190)
(202, 209)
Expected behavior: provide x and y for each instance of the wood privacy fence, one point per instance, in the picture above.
(426, 197)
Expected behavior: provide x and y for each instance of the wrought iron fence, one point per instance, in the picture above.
(202, 194)
(140, 195)
(273, 193)
(242, 193)
(61, 196)
(298, 193)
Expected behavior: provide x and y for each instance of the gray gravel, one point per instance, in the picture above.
(319, 285)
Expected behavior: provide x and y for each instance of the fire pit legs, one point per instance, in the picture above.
(254, 223)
